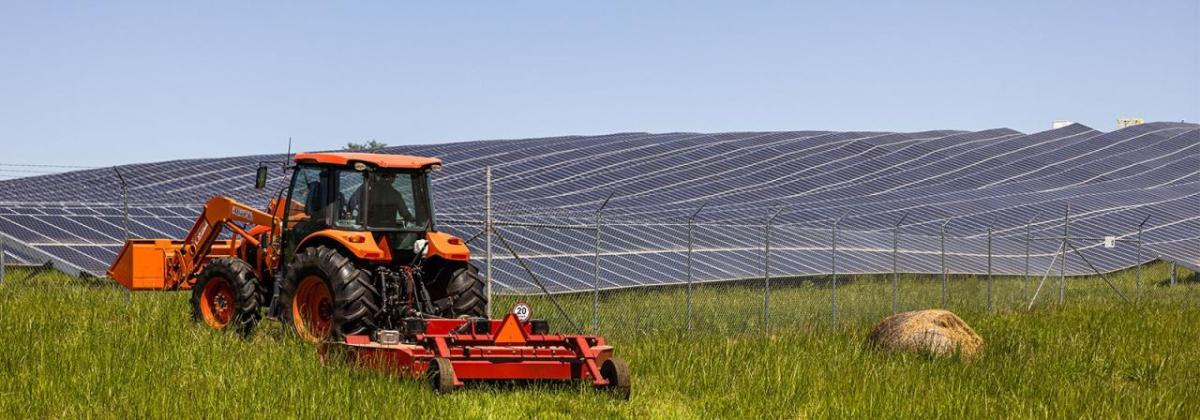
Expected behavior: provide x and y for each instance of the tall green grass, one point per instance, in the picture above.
(69, 349)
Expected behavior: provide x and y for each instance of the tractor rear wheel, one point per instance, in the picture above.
(326, 296)
(467, 293)
(227, 295)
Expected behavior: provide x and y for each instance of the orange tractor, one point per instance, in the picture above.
(349, 258)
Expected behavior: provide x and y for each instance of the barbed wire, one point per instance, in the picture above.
(40, 165)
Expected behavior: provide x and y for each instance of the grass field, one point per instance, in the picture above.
(74, 350)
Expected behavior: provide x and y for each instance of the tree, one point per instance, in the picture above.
(369, 147)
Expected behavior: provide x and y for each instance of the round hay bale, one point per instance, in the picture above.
(934, 332)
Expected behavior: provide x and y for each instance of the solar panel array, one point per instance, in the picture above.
(999, 178)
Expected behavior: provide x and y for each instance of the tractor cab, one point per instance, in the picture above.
(385, 197)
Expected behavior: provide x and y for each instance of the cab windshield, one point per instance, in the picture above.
(390, 200)
(344, 198)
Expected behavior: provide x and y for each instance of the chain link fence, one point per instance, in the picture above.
(616, 274)
(788, 278)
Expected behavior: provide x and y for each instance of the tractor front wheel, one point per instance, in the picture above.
(327, 296)
(227, 296)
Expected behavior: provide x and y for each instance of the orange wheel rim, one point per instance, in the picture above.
(312, 309)
(216, 303)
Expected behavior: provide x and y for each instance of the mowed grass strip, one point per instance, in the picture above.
(69, 349)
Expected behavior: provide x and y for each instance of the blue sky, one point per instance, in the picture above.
(99, 84)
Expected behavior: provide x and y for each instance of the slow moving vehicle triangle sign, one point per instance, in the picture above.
(510, 331)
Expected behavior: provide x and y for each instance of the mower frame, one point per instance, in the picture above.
(449, 352)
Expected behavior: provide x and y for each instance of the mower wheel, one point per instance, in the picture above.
(616, 371)
(326, 296)
(227, 295)
(467, 293)
(441, 375)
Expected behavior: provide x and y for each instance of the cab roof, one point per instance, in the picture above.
(382, 161)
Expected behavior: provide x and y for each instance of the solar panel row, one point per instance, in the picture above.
(999, 178)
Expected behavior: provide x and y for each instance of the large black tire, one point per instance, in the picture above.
(353, 302)
(467, 294)
(227, 296)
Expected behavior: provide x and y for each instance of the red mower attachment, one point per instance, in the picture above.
(448, 352)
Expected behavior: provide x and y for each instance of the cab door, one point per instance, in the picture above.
(310, 195)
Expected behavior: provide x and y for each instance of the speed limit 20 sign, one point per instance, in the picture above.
(522, 311)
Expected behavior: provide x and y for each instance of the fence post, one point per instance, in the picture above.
(487, 235)
(1062, 265)
(989, 265)
(596, 279)
(1028, 241)
(1174, 272)
(124, 201)
(833, 263)
(945, 272)
(1138, 278)
(896, 264)
(767, 272)
(690, 225)
(125, 222)
(3, 262)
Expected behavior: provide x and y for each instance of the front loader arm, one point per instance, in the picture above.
(158, 264)
(219, 213)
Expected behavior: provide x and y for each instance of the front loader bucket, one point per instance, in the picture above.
(142, 263)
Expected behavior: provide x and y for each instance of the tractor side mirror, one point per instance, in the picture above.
(260, 177)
